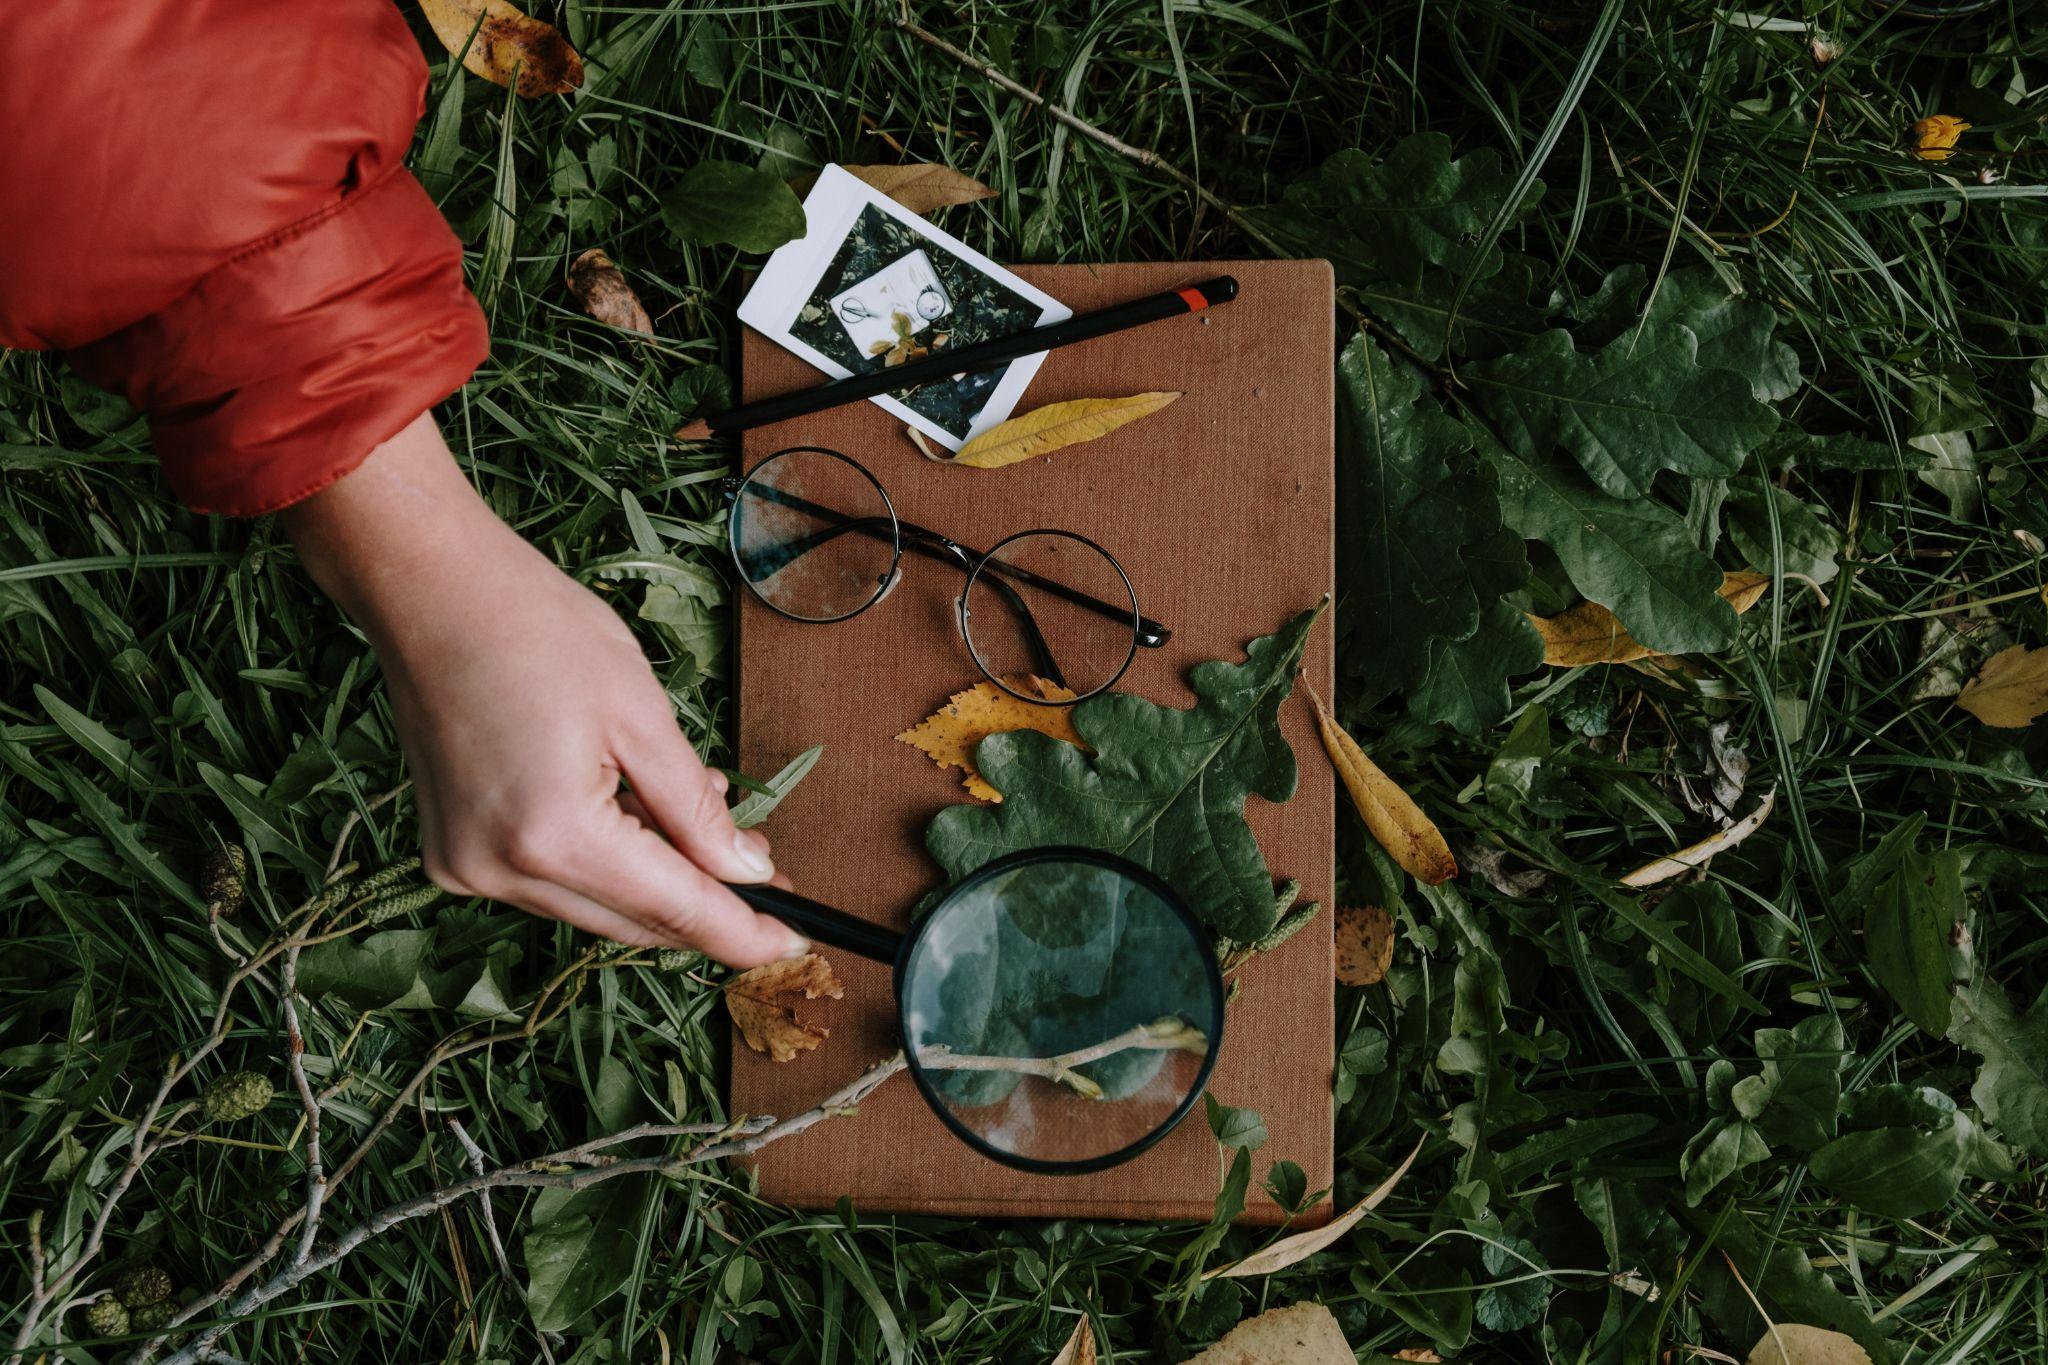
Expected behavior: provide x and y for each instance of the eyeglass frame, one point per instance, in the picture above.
(1145, 632)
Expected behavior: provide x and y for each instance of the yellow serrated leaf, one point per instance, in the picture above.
(763, 1004)
(1590, 634)
(950, 733)
(1935, 137)
(1365, 945)
(1055, 427)
(508, 45)
(1409, 837)
(2010, 690)
(1302, 1245)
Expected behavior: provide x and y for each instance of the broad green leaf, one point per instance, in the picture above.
(1640, 404)
(399, 969)
(1906, 928)
(1495, 317)
(1513, 769)
(1804, 545)
(1633, 557)
(1466, 682)
(580, 1250)
(262, 824)
(1163, 787)
(1407, 517)
(1802, 1076)
(1717, 1152)
(1510, 1307)
(1388, 218)
(2012, 1084)
(722, 202)
(1904, 1156)
(1734, 330)
(114, 827)
(1234, 1127)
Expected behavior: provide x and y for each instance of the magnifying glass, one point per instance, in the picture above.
(1060, 1008)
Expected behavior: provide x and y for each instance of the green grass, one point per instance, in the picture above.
(197, 644)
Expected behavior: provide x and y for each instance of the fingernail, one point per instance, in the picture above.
(796, 946)
(719, 781)
(752, 856)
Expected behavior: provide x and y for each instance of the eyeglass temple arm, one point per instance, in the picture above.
(823, 924)
(1151, 634)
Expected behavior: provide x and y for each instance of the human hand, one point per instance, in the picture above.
(522, 701)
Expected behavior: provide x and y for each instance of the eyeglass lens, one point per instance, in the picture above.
(814, 535)
(1052, 606)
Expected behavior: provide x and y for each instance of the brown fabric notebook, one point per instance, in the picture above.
(1220, 507)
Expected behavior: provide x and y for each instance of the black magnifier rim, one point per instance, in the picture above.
(1062, 853)
(732, 541)
(967, 629)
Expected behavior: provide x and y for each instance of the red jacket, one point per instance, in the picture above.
(202, 203)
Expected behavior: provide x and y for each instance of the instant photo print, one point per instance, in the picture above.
(871, 285)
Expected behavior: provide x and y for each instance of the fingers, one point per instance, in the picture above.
(687, 803)
(642, 877)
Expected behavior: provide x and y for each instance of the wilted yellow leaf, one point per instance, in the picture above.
(1792, 1343)
(950, 733)
(920, 187)
(1409, 837)
(1695, 855)
(1421, 1353)
(1365, 945)
(2010, 690)
(1056, 426)
(1080, 1347)
(763, 1004)
(1935, 137)
(602, 290)
(1301, 1245)
(1590, 634)
(508, 44)
(1299, 1334)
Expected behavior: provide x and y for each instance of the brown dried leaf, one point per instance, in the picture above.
(1056, 426)
(1365, 945)
(1302, 1245)
(1419, 1353)
(921, 187)
(1792, 1343)
(1080, 1347)
(2010, 690)
(508, 45)
(763, 1004)
(1590, 634)
(602, 290)
(1299, 1334)
(1409, 837)
(950, 733)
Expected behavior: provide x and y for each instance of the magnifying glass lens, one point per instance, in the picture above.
(1060, 1012)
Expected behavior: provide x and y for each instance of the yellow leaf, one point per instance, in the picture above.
(1299, 1334)
(1365, 945)
(1301, 1245)
(1791, 1343)
(763, 1004)
(1590, 634)
(1056, 426)
(1080, 1347)
(1409, 837)
(1935, 137)
(921, 187)
(1695, 855)
(508, 44)
(950, 733)
(602, 290)
(2010, 690)
(1421, 1353)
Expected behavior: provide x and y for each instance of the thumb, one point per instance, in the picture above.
(643, 877)
(687, 804)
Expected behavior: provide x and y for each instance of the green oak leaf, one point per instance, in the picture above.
(2012, 1085)
(1495, 317)
(1373, 220)
(1734, 330)
(1635, 558)
(1165, 788)
(580, 1250)
(1466, 681)
(1421, 549)
(723, 202)
(1640, 404)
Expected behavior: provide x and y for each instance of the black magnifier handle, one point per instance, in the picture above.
(823, 924)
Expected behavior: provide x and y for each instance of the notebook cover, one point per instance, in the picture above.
(1221, 509)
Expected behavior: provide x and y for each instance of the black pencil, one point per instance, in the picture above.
(981, 356)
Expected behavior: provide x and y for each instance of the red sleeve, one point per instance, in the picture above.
(203, 203)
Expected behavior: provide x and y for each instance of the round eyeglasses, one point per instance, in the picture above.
(815, 538)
